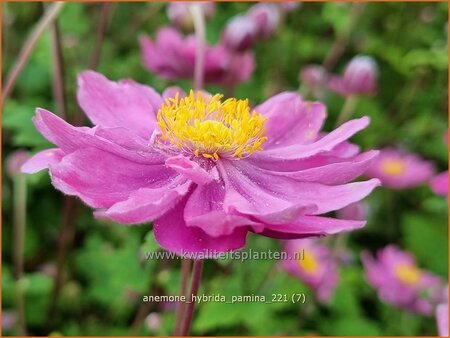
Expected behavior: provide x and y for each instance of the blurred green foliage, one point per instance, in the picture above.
(106, 273)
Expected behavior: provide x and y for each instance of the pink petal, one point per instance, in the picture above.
(204, 209)
(147, 204)
(326, 143)
(42, 160)
(172, 233)
(101, 179)
(69, 138)
(334, 172)
(253, 191)
(315, 226)
(171, 92)
(118, 104)
(439, 184)
(291, 120)
(191, 169)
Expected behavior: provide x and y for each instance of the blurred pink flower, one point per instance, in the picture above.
(397, 169)
(180, 16)
(439, 184)
(442, 319)
(16, 160)
(153, 322)
(205, 171)
(314, 77)
(240, 33)
(400, 282)
(172, 57)
(266, 16)
(359, 78)
(315, 266)
(289, 6)
(357, 211)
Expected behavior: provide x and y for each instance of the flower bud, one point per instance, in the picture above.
(289, 6)
(314, 77)
(180, 16)
(266, 16)
(240, 33)
(16, 160)
(153, 322)
(356, 211)
(360, 76)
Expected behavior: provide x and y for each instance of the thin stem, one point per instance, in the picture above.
(347, 109)
(340, 44)
(28, 47)
(59, 87)
(20, 210)
(66, 235)
(185, 269)
(199, 26)
(101, 29)
(189, 312)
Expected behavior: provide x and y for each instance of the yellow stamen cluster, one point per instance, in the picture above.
(393, 167)
(205, 126)
(309, 263)
(408, 274)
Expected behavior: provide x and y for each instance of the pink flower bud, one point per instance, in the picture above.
(153, 322)
(266, 16)
(360, 76)
(289, 6)
(356, 211)
(240, 33)
(180, 16)
(314, 77)
(16, 160)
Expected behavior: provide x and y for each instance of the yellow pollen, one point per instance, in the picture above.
(205, 126)
(309, 262)
(408, 274)
(393, 167)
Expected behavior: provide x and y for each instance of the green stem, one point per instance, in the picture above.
(347, 109)
(20, 201)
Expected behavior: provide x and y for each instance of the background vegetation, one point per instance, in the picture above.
(104, 272)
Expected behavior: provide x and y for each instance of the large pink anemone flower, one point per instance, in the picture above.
(206, 171)
(172, 57)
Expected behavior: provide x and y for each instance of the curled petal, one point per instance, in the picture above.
(172, 233)
(290, 120)
(118, 104)
(110, 180)
(191, 170)
(42, 160)
(147, 204)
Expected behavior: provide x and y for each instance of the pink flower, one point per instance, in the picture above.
(356, 211)
(314, 77)
(205, 171)
(442, 319)
(179, 14)
(400, 282)
(266, 16)
(397, 169)
(173, 57)
(359, 78)
(439, 184)
(240, 33)
(16, 160)
(312, 263)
